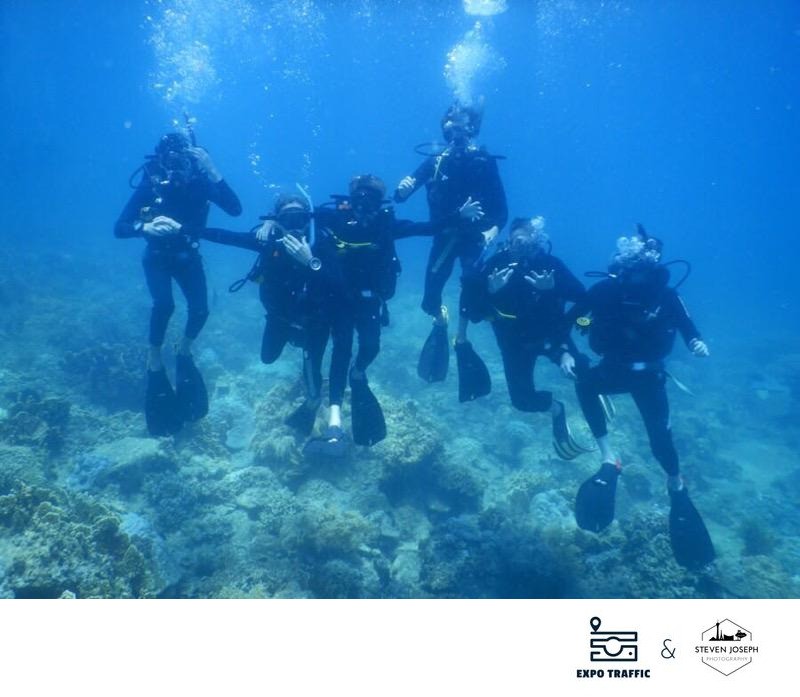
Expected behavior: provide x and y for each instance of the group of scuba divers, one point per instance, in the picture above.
(327, 273)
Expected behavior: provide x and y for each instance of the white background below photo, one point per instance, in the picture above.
(386, 648)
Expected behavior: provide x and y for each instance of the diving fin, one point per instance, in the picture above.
(369, 424)
(691, 543)
(190, 389)
(302, 419)
(161, 411)
(331, 445)
(564, 444)
(594, 504)
(435, 355)
(473, 376)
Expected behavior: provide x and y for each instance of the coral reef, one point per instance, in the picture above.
(493, 556)
(458, 501)
(111, 374)
(416, 468)
(35, 420)
(18, 463)
(274, 444)
(758, 539)
(325, 531)
(125, 463)
(56, 544)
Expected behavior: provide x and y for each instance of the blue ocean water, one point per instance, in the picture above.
(680, 115)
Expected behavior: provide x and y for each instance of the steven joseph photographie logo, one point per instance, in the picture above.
(726, 647)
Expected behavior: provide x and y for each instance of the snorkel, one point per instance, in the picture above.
(190, 121)
(312, 230)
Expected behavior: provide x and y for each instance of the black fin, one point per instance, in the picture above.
(190, 389)
(435, 356)
(369, 424)
(302, 419)
(594, 504)
(161, 410)
(473, 376)
(691, 543)
(333, 445)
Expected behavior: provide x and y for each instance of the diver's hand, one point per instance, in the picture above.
(567, 364)
(298, 249)
(490, 234)
(205, 164)
(471, 210)
(699, 348)
(405, 188)
(544, 281)
(161, 225)
(498, 279)
(265, 231)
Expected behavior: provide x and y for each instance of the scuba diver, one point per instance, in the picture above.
(295, 288)
(631, 318)
(522, 290)
(359, 232)
(172, 198)
(462, 175)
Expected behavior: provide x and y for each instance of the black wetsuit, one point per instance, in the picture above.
(451, 178)
(297, 299)
(367, 268)
(633, 330)
(175, 255)
(527, 323)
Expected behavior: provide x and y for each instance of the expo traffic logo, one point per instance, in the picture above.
(726, 647)
(612, 647)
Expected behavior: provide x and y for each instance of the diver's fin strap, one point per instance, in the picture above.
(451, 243)
(609, 410)
(569, 448)
(680, 385)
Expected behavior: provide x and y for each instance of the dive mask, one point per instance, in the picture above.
(366, 201)
(527, 236)
(293, 219)
(177, 166)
